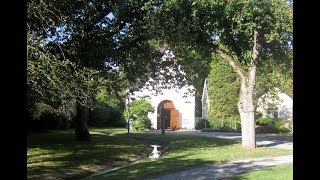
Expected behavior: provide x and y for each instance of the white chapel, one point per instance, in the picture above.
(179, 102)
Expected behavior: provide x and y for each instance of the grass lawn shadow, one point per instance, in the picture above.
(182, 152)
(58, 155)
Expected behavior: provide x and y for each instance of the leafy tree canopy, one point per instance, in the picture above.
(229, 25)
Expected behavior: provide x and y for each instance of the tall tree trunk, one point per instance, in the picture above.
(245, 103)
(246, 110)
(80, 123)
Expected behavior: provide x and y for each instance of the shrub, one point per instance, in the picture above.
(223, 91)
(262, 121)
(271, 125)
(201, 123)
(266, 129)
(141, 123)
(67, 111)
(139, 110)
(283, 129)
(43, 110)
(107, 109)
(104, 115)
(228, 124)
(63, 122)
(44, 117)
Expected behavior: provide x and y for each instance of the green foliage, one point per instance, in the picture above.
(270, 128)
(201, 123)
(227, 124)
(63, 122)
(271, 125)
(42, 110)
(223, 91)
(229, 26)
(138, 114)
(104, 115)
(100, 35)
(141, 124)
(272, 19)
(200, 23)
(58, 83)
(46, 117)
(275, 73)
(267, 120)
(77, 48)
(195, 62)
(66, 113)
(72, 45)
(108, 106)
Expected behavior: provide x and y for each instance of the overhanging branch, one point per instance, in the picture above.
(232, 63)
(255, 57)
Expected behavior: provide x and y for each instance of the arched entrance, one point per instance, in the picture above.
(172, 120)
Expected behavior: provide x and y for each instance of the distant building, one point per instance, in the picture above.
(279, 106)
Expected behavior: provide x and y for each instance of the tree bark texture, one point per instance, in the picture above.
(246, 110)
(80, 123)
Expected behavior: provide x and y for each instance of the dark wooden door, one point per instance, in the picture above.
(174, 119)
(167, 119)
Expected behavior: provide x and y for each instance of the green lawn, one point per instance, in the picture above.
(186, 151)
(56, 154)
(281, 172)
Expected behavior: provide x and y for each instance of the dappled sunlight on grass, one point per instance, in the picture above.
(154, 167)
(186, 151)
(58, 155)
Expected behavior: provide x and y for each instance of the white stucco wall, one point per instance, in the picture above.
(283, 103)
(185, 105)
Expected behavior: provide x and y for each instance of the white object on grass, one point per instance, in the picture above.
(155, 153)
